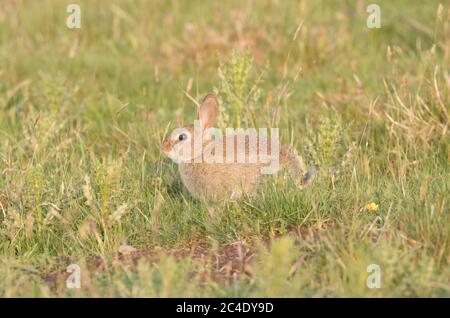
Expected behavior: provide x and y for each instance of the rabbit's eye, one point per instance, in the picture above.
(182, 136)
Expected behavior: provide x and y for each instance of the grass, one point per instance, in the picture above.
(83, 113)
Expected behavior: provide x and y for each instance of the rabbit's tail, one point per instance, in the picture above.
(297, 168)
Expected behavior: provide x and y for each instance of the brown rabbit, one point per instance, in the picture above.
(192, 147)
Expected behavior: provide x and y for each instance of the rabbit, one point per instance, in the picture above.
(223, 180)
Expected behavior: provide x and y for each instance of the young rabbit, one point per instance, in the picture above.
(193, 146)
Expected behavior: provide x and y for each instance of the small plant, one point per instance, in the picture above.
(327, 148)
(239, 88)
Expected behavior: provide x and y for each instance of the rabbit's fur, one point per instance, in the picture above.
(221, 181)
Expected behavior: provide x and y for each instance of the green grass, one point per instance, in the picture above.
(83, 113)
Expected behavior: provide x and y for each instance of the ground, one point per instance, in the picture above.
(83, 181)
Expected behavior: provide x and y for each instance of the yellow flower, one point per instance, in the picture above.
(372, 207)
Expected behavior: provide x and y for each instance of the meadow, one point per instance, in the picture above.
(83, 181)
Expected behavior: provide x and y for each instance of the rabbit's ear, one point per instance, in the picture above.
(208, 111)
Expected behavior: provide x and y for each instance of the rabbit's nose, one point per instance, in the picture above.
(165, 146)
